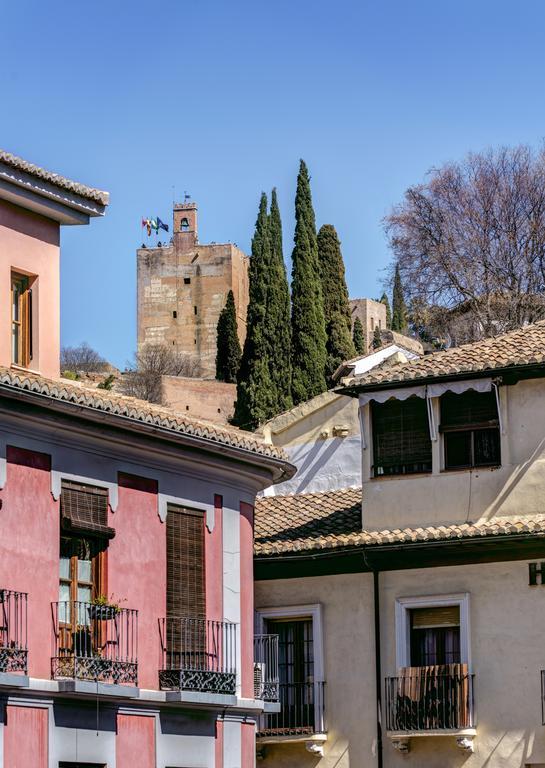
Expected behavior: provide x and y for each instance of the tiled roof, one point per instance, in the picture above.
(54, 178)
(332, 520)
(135, 410)
(525, 346)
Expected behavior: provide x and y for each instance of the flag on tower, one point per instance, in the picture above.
(161, 225)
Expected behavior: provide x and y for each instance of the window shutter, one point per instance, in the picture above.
(443, 616)
(84, 508)
(468, 409)
(185, 563)
(401, 433)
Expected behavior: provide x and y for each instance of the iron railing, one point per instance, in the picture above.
(543, 696)
(429, 700)
(266, 678)
(94, 642)
(302, 711)
(13, 631)
(198, 655)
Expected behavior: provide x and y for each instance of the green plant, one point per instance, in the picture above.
(108, 602)
(70, 375)
(107, 383)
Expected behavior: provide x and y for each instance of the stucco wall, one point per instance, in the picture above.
(507, 626)
(200, 398)
(29, 244)
(515, 488)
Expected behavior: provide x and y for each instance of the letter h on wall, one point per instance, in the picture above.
(535, 569)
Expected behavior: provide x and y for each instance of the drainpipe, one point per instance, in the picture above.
(378, 669)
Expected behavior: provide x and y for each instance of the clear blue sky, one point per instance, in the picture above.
(223, 98)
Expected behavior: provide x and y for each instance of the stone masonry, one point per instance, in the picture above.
(371, 314)
(182, 288)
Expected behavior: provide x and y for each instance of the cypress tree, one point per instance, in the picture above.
(384, 299)
(228, 346)
(399, 309)
(255, 397)
(377, 341)
(308, 348)
(339, 343)
(358, 337)
(278, 315)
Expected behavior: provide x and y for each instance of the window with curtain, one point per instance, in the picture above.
(435, 636)
(401, 437)
(470, 428)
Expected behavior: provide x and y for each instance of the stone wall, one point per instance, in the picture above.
(371, 313)
(200, 398)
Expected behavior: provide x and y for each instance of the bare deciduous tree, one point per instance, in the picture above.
(470, 243)
(143, 378)
(82, 359)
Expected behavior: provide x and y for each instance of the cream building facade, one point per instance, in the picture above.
(411, 613)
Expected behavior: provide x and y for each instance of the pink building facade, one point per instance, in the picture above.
(126, 579)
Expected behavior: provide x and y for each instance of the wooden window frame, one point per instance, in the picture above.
(24, 323)
(470, 428)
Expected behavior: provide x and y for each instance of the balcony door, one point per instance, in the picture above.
(296, 672)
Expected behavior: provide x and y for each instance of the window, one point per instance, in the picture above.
(470, 427)
(184, 225)
(195, 310)
(435, 636)
(187, 280)
(401, 438)
(185, 563)
(21, 320)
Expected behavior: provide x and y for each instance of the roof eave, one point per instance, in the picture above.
(47, 199)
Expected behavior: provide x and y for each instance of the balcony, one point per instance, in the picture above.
(13, 636)
(432, 701)
(301, 718)
(198, 656)
(94, 643)
(266, 680)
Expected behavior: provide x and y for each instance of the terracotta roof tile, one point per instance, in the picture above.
(332, 520)
(20, 164)
(524, 346)
(135, 410)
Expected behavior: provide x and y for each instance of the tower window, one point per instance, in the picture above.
(195, 310)
(174, 314)
(187, 280)
(184, 225)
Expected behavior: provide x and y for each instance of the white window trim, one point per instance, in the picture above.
(314, 611)
(403, 630)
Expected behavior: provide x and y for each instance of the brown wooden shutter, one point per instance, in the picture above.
(186, 595)
(440, 616)
(469, 409)
(84, 508)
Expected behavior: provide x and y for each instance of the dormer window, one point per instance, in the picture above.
(184, 225)
(470, 427)
(401, 437)
(21, 320)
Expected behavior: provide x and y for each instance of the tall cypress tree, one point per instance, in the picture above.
(384, 299)
(308, 348)
(278, 315)
(358, 337)
(339, 343)
(377, 341)
(255, 396)
(228, 346)
(399, 308)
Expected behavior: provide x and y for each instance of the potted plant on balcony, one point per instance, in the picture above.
(103, 608)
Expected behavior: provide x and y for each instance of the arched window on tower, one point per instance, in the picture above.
(184, 225)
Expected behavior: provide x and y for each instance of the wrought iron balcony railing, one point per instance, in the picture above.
(198, 655)
(94, 642)
(429, 699)
(266, 680)
(302, 711)
(13, 631)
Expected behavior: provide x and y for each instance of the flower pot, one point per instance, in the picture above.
(102, 612)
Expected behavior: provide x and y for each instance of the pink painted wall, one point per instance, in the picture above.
(247, 599)
(29, 243)
(135, 742)
(213, 558)
(247, 745)
(29, 547)
(26, 737)
(137, 567)
(218, 745)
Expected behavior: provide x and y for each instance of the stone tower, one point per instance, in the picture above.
(182, 288)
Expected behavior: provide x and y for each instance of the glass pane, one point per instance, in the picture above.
(64, 568)
(84, 570)
(64, 592)
(84, 594)
(487, 447)
(15, 343)
(457, 449)
(64, 603)
(15, 299)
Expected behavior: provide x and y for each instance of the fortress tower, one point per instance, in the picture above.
(182, 288)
